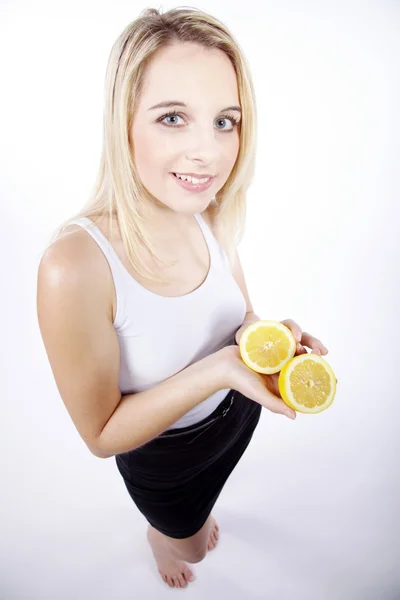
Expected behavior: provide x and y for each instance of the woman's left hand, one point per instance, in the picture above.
(303, 339)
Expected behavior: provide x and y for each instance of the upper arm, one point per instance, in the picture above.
(79, 337)
(239, 277)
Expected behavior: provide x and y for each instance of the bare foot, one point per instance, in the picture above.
(174, 572)
(214, 534)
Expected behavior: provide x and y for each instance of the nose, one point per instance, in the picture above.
(203, 146)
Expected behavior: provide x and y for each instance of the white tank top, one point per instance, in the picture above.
(159, 336)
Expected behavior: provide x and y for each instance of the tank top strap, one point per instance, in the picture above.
(99, 237)
(112, 258)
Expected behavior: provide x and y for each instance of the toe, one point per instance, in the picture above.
(182, 581)
(176, 581)
(213, 539)
(188, 574)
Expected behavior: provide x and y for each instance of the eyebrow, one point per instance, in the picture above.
(170, 103)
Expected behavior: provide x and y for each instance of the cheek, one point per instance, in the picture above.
(153, 147)
(231, 153)
(148, 153)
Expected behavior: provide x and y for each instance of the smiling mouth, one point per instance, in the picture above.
(198, 177)
(193, 186)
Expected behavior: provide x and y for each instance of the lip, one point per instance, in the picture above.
(199, 187)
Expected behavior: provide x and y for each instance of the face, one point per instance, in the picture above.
(200, 138)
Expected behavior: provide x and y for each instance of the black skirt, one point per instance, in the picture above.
(176, 478)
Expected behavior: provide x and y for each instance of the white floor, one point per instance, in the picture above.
(308, 513)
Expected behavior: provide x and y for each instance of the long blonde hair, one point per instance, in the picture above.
(118, 190)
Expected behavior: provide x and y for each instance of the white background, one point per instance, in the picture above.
(309, 512)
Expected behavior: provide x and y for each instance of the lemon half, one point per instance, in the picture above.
(307, 383)
(266, 346)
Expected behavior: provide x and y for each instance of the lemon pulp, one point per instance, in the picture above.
(266, 346)
(307, 383)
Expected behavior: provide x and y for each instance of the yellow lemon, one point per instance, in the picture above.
(307, 383)
(266, 346)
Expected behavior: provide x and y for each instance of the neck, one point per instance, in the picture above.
(161, 221)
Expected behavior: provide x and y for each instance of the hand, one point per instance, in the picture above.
(238, 376)
(316, 346)
(250, 318)
(303, 339)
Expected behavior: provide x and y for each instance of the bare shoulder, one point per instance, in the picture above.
(68, 267)
(75, 256)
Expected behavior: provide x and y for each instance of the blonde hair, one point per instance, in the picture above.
(118, 190)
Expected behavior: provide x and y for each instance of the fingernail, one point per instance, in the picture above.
(298, 337)
(290, 415)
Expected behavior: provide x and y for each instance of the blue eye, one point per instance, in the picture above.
(167, 116)
(233, 120)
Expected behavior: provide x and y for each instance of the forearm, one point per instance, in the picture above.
(141, 417)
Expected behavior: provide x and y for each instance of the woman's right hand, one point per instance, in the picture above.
(256, 386)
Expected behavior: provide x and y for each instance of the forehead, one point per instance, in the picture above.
(186, 70)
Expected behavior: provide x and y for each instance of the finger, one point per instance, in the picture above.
(294, 328)
(314, 343)
(280, 408)
(305, 338)
(272, 384)
(266, 398)
(274, 402)
(300, 350)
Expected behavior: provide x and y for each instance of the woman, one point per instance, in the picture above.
(141, 296)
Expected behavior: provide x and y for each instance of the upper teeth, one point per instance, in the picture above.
(192, 179)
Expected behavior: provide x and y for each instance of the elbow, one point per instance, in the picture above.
(97, 451)
(102, 455)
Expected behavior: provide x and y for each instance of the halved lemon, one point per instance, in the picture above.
(307, 383)
(266, 346)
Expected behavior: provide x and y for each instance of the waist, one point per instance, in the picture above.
(219, 412)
